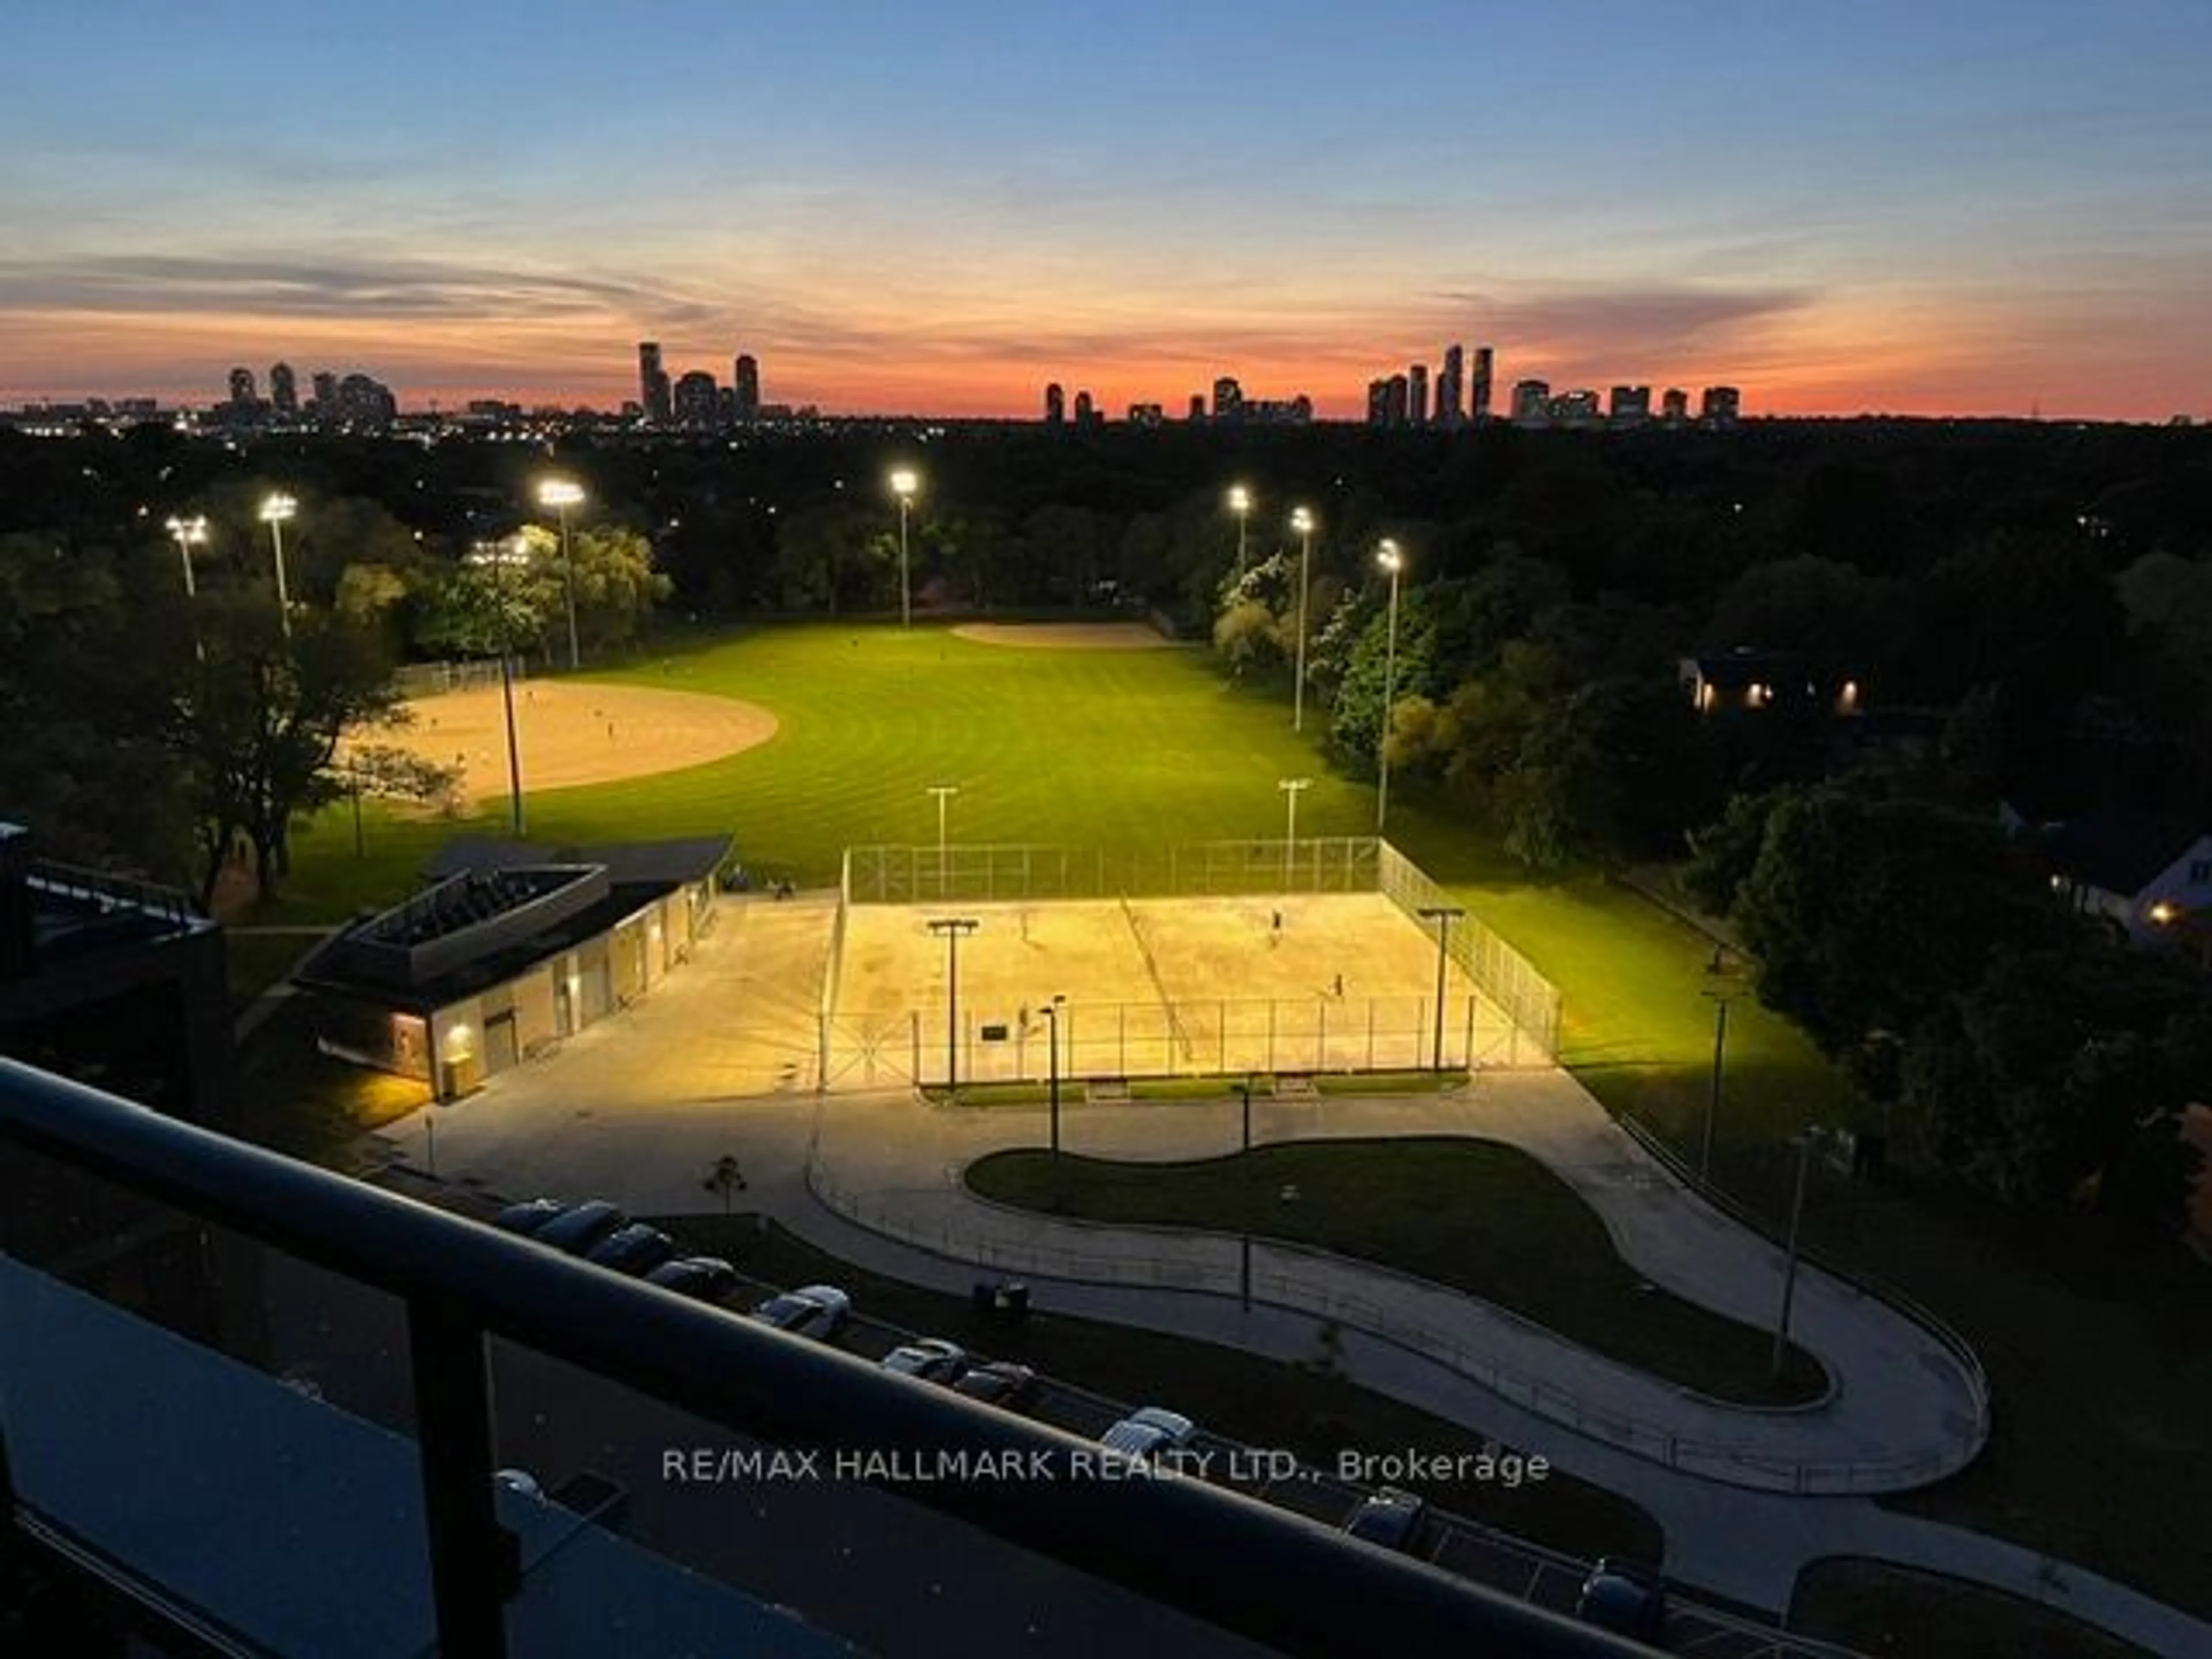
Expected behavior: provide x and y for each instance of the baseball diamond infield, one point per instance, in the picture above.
(574, 731)
(1154, 987)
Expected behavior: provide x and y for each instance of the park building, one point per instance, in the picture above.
(506, 950)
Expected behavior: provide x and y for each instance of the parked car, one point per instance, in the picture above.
(636, 1249)
(1625, 1597)
(1147, 1431)
(527, 1217)
(707, 1277)
(810, 1311)
(1389, 1517)
(1001, 1383)
(933, 1359)
(577, 1230)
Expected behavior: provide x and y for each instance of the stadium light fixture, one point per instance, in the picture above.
(904, 482)
(278, 510)
(1240, 503)
(1392, 560)
(561, 494)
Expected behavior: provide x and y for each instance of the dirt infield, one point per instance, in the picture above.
(1066, 636)
(575, 731)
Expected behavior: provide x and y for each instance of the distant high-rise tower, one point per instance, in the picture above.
(746, 384)
(653, 383)
(1417, 394)
(1228, 399)
(694, 399)
(1478, 402)
(1451, 388)
(326, 393)
(1674, 405)
(242, 394)
(1629, 405)
(1720, 405)
(1198, 406)
(1083, 410)
(1378, 402)
(1055, 405)
(284, 390)
(1532, 402)
(1395, 400)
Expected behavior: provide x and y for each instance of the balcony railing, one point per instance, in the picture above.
(1285, 1583)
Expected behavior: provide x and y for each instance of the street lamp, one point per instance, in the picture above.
(1393, 560)
(1303, 522)
(1240, 503)
(1443, 916)
(1721, 996)
(1050, 1009)
(944, 792)
(277, 510)
(189, 534)
(1244, 1252)
(1803, 1143)
(904, 482)
(561, 494)
(1291, 788)
(952, 930)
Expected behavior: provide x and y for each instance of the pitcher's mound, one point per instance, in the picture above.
(1066, 636)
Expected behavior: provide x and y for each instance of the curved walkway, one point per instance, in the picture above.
(1903, 1410)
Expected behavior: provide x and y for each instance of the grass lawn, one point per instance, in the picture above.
(1875, 1607)
(1164, 749)
(1252, 1400)
(1486, 1218)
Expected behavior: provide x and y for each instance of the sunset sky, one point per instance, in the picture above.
(1976, 206)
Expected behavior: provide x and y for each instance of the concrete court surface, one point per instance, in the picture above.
(1154, 986)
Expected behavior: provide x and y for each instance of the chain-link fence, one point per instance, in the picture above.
(428, 679)
(1503, 974)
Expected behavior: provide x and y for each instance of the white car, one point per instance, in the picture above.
(933, 1359)
(810, 1311)
(1148, 1432)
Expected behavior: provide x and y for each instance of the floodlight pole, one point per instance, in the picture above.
(1302, 522)
(1050, 1009)
(953, 930)
(1443, 916)
(1392, 561)
(1291, 788)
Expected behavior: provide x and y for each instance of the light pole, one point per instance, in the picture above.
(1240, 503)
(277, 510)
(1803, 1143)
(189, 534)
(1291, 788)
(953, 929)
(502, 558)
(1050, 1009)
(904, 482)
(1244, 1255)
(1303, 522)
(1393, 560)
(944, 792)
(1443, 916)
(561, 494)
(1721, 996)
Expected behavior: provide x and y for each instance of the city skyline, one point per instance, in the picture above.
(1989, 211)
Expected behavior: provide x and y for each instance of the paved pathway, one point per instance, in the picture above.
(636, 1111)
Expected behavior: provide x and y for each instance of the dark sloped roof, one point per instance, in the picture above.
(669, 863)
(2120, 852)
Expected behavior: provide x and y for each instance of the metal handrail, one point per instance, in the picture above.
(1228, 1559)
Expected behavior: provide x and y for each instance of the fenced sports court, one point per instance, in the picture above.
(1268, 957)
